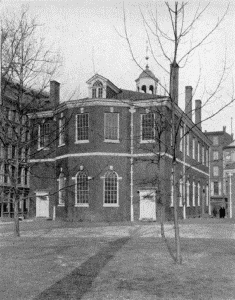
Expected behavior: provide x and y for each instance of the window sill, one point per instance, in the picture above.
(61, 145)
(112, 141)
(147, 141)
(110, 205)
(43, 148)
(82, 205)
(61, 205)
(82, 142)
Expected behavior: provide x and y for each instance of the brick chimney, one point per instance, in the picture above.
(188, 101)
(198, 113)
(224, 128)
(174, 82)
(55, 93)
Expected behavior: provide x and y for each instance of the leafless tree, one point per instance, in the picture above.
(27, 66)
(176, 46)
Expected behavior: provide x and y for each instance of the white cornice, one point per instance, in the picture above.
(127, 155)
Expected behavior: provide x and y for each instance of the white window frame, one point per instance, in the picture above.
(141, 129)
(105, 120)
(118, 179)
(187, 193)
(39, 137)
(198, 194)
(215, 140)
(76, 130)
(198, 152)
(207, 157)
(76, 180)
(215, 171)
(61, 130)
(193, 148)
(194, 194)
(60, 203)
(215, 155)
(203, 155)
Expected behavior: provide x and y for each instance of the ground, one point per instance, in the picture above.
(53, 260)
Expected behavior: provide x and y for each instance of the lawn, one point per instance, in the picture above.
(51, 267)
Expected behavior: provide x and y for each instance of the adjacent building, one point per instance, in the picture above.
(229, 178)
(108, 157)
(218, 195)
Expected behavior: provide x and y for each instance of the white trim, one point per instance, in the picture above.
(81, 205)
(61, 145)
(82, 142)
(194, 194)
(112, 141)
(113, 154)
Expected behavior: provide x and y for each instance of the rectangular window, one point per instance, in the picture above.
(25, 176)
(193, 148)
(215, 171)
(94, 93)
(198, 194)
(194, 187)
(203, 155)
(181, 138)
(111, 127)
(215, 155)
(44, 135)
(62, 131)
(100, 92)
(6, 173)
(82, 127)
(198, 152)
(216, 188)
(215, 140)
(147, 127)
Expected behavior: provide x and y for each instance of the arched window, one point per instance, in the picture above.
(151, 89)
(143, 88)
(111, 188)
(82, 188)
(97, 89)
(61, 187)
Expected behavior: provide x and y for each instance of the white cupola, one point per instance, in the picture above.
(147, 82)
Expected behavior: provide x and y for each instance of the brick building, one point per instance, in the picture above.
(229, 177)
(220, 139)
(97, 157)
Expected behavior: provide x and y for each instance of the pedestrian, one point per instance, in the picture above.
(214, 212)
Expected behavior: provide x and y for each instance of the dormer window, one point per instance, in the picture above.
(97, 89)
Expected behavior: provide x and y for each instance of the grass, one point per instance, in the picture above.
(70, 267)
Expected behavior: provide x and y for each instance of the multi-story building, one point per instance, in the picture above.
(100, 159)
(229, 178)
(220, 139)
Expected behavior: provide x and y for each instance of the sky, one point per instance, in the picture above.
(90, 37)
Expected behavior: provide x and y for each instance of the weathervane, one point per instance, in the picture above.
(147, 57)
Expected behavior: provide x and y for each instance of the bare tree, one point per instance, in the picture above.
(176, 46)
(27, 67)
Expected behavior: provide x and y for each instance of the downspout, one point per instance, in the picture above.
(209, 183)
(184, 175)
(132, 111)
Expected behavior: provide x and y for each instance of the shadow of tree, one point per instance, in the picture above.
(79, 281)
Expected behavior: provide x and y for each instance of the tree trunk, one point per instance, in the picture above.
(16, 219)
(176, 222)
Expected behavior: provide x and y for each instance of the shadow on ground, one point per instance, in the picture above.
(80, 280)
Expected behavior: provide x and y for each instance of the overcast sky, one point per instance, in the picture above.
(88, 35)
